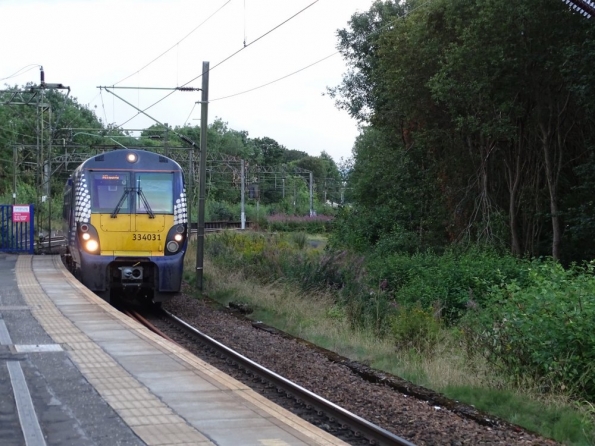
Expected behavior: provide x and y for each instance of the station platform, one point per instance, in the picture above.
(75, 371)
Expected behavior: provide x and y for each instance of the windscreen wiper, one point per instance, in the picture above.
(140, 193)
(121, 202)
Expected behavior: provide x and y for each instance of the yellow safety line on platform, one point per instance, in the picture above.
(153, 421)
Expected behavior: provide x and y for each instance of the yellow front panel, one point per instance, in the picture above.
(121, 223)
(146, 238)
(146, 224)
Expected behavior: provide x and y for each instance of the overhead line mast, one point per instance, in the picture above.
(35, 95)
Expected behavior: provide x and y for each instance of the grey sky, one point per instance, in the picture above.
(87, 43)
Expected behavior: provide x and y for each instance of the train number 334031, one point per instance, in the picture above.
(139, 237)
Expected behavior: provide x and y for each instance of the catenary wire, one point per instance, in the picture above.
(223, 61)
(175, 45)
(304, 68)
(254, 41)
(189, 114)
(17, 73)
(321, 60)
(276, 80)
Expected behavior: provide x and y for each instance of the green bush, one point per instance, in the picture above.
(533, 319)
(415, 328)
(543, 329)
(220, 211)
(359, 229)
(300, 239)
(458, 279)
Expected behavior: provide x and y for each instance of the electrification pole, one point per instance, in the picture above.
(243, 188)
(200, 234)
(311, 195)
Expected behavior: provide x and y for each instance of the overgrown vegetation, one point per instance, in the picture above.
(457, 322)
(541, 329)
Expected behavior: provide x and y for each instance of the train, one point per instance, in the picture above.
(126, 223)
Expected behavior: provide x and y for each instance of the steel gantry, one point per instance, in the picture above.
(35, 96)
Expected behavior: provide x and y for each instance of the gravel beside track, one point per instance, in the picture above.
(419, 421)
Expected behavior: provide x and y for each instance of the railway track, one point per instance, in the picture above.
(362, 429)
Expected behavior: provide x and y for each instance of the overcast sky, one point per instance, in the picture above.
(89, 43)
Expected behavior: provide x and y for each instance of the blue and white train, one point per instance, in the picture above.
(125, 213)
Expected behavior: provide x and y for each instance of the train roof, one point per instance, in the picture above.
(133, 159)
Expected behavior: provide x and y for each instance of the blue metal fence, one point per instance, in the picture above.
(17, 233)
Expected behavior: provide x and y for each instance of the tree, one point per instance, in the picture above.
(479, 98)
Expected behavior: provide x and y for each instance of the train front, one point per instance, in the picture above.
(131, 224)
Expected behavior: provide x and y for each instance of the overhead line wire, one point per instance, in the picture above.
(321, 60)
(224, 60)
(176, 44)
(19, 71)
(276, 80)
(254, 41)
(189, 114)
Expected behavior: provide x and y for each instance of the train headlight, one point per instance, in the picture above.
(88, 238)
(176, 240)
(131, 157)
(91, 245)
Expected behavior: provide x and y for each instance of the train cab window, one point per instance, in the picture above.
(109, 191)
(158, 190)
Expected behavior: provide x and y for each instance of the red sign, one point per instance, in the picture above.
(21, 213)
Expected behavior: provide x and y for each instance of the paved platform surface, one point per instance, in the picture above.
(75, 371)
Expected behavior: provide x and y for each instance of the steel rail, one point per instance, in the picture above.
(358, 424)
(144, 322)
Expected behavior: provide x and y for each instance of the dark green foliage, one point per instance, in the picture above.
(273, 257)
(361, 228)
(542, 329)
(349, 230)
(20, 152)
(532, 319)
(300, 239)
(220, 211)
(455, 280)
(460, 143)
(580, 214)
(478, 131)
